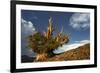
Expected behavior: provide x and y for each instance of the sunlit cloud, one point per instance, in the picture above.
(27, 28)
(80, 21)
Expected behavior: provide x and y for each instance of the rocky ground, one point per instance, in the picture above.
(80, 53)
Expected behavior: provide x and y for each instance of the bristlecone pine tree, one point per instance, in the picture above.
(44, 43)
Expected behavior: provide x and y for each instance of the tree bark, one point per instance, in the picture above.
(42, 57)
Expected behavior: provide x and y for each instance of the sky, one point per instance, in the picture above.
(75, 24)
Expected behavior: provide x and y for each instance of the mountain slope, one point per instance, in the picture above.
(80, 53)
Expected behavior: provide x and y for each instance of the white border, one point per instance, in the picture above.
(51, 64)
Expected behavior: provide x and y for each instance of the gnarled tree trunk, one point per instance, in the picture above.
(41, 57)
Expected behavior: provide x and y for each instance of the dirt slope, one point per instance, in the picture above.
(80, 53)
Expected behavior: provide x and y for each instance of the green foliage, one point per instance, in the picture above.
(39, 44)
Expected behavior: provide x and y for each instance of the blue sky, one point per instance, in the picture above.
(75, 24)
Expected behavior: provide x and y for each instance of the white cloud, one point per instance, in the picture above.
(83, 41)
(27, 28)
(80, 20)
(67, 47)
